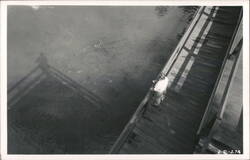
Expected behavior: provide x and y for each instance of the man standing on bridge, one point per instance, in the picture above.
(159, 90)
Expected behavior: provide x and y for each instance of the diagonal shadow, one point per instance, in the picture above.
(21, 91)
(191, 51)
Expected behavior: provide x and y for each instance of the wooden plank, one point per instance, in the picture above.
(172, 127)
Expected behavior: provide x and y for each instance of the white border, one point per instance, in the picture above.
(3, 78)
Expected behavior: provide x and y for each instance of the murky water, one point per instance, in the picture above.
(115, 52)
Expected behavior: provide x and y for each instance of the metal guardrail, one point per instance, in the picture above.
(209, 108)
(165, 71)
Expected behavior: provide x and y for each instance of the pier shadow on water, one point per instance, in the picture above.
(53, 118)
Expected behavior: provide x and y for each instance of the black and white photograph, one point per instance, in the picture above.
(125, 79)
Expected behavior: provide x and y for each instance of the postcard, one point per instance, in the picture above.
(124, 80)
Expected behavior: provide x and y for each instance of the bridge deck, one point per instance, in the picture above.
(171, 128)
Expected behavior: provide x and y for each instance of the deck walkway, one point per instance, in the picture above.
(171, 128)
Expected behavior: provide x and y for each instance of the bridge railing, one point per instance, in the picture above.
(165, 71)
(218, 120)
(214, 111)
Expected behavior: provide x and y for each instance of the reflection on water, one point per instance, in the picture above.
(52, 118)
(161, 10)
(189, 11)
(115, 52)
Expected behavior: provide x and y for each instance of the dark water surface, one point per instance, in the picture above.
(115, 52)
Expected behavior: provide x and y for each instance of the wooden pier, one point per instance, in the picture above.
(194, 71)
